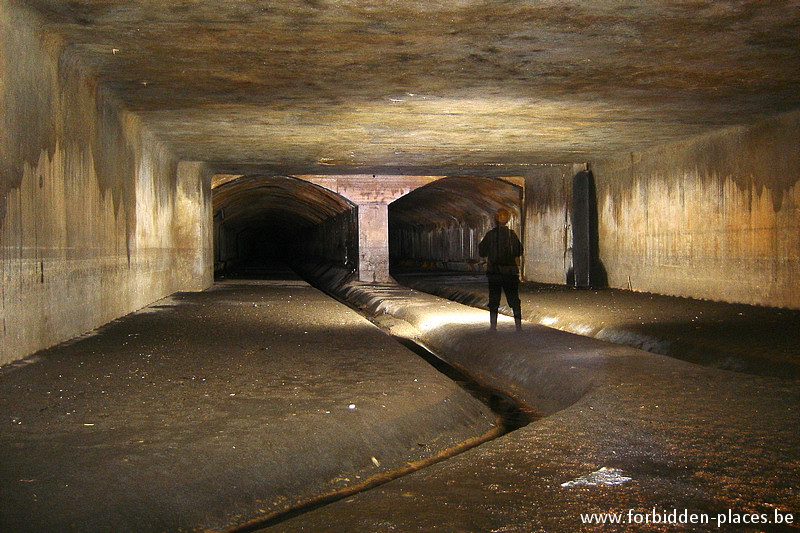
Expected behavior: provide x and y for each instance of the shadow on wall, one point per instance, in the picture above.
(587, 270)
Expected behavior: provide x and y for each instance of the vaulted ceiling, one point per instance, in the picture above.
(432, 87)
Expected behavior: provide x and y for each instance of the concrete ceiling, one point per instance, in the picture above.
(432, 87)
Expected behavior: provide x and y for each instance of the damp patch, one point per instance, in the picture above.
(604, 476)
(169, 302)
(10, 367)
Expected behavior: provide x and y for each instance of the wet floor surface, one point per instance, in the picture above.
(208, 411)
(651, 439)
(217, 411)
(744, 338)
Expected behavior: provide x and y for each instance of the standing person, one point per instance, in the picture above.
(502, 248)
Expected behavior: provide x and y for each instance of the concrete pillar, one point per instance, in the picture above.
(372, 195)
(373, 242)
(194, 244)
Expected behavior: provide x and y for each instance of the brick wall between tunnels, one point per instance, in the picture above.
(714, 217)
(97, 219)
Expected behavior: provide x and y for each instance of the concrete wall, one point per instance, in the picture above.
(193, 240)
(547, 232)
(714, 217)
(97, 218)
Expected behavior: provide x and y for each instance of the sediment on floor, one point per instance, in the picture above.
(743, 338)
(216, 409)
(625, 430)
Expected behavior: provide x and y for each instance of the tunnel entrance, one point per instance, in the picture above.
(264, 223)
(439, 226)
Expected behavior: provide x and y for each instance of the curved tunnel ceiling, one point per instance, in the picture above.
(455, 200)
(283, 203)
(467, 87)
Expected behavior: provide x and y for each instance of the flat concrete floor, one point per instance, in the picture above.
(206, 411)
(653, 442)
(215, 410)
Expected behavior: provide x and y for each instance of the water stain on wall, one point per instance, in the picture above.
(714, 217)
(89, 202)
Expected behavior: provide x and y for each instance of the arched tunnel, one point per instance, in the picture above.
(263, 220)
(440, 225)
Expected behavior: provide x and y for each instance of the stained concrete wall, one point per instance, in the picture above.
(97, 218)
(713, 217)
(192, 246)
(548, 235)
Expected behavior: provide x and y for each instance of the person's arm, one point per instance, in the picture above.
(483, 246)
(517, 246)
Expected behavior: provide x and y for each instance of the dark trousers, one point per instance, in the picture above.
(509, 284)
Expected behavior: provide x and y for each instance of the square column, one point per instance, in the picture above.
(373, 242)
(193, 227)
(372, 195)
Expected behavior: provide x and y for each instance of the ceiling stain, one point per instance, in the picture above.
(431, 87)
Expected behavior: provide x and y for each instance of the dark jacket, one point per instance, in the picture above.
(501, 247)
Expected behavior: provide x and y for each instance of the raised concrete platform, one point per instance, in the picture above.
(744, 338)
(207, 411)
(628, 432)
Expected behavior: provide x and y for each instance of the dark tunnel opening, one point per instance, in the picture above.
(438, 226)
(264, 224)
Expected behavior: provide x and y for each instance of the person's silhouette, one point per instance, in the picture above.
(502, 249)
